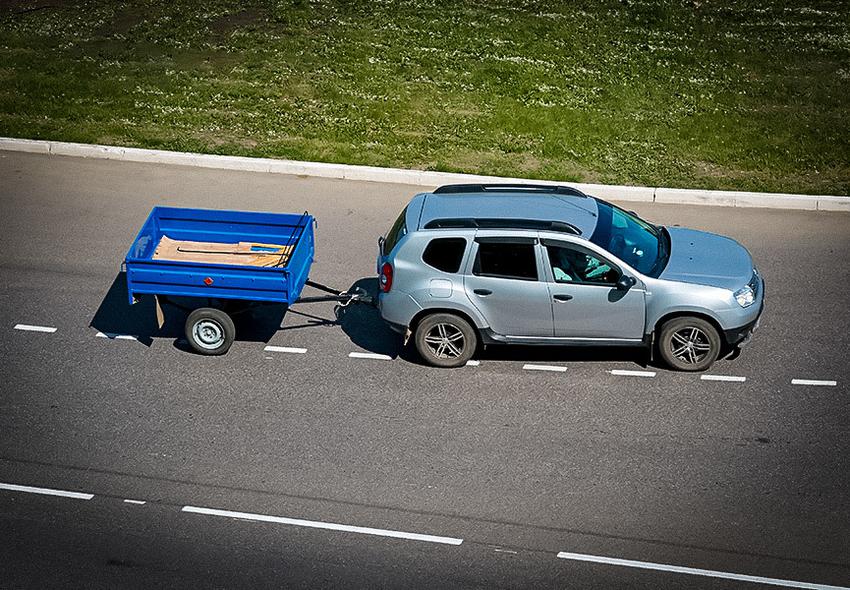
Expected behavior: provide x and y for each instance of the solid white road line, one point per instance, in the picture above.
(696, 572)
(473, 363)
(29, 328)
(553, 368)
(112, 336)
(285, 349)
(369, 355)
(45, 491)
(139, 502)
(722, 378)
(313, 524)
(626, 373)
(813, 382)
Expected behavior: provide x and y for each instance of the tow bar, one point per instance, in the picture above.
(344, 298)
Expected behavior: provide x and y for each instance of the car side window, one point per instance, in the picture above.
(445, 254)
(576, 265)
(507, 260)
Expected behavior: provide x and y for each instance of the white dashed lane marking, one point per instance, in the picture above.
(112, 336)
(627, 373)
(731, 378)
(369, 355)
(553, 368)
(647, 565)
(314, 524)
(285, 349)
(31, 328)
(471, 363)
(45, 491)
(138, 502)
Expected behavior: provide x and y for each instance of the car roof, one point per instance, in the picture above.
(511, 203)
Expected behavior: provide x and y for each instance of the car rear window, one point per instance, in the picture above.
(397, 231)
(507, 260)
(445, 254)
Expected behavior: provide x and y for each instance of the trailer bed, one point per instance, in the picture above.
(213, 254)
(240, 254)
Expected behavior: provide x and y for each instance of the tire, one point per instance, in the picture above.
(210, 331)
(689, 344)
(445, 340)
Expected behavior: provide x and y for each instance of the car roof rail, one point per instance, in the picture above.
(450, 189)
(502, 223)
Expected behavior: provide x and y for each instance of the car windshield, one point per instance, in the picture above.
(631, 239)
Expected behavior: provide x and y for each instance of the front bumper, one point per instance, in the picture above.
(738, 337)
(742, 335)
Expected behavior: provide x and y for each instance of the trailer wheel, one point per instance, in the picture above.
(210, 331)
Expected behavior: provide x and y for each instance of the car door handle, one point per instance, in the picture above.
(482, 292)
(562, 298)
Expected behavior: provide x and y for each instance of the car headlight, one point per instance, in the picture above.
(745, 296)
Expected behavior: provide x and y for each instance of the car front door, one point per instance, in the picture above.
(586, 302)
(504, 284)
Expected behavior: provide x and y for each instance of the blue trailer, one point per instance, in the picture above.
(218, 263)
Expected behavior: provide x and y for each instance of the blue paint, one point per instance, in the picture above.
(281, 284)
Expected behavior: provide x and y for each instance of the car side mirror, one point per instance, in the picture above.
(625, 282)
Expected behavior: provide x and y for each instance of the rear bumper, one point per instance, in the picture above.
(397, 309)
(398, 328)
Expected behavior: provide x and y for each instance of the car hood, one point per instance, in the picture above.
(707, 259)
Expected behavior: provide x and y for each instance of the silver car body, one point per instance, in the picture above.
(702, 274)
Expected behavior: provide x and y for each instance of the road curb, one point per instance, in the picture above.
(423, 177)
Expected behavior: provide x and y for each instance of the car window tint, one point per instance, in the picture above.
(397, 231)
(445, 254)
(506, 260)
(572, 265)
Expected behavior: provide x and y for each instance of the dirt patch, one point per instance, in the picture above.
(226, 24)
(412, 134)
(464, 112)
(15, 8)
(216, 141)
(817, 182)
(122, 22)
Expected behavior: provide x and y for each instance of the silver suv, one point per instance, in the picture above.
(470, 265)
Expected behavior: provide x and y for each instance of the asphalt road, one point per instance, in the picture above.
(518, 465)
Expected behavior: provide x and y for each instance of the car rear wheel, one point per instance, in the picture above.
(210, 331)
(689, 344)
(445, 340)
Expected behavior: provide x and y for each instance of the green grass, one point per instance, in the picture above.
(751, 95)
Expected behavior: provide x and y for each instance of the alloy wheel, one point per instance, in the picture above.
(690, 345)
(445, 341)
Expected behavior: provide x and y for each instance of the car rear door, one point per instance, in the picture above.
(586, 304)
(504, 282)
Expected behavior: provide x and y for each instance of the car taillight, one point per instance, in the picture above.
(386, 278)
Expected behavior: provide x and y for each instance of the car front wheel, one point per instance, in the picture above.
(689, 344)
(445, 340)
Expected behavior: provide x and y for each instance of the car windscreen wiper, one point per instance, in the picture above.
(663, 252)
